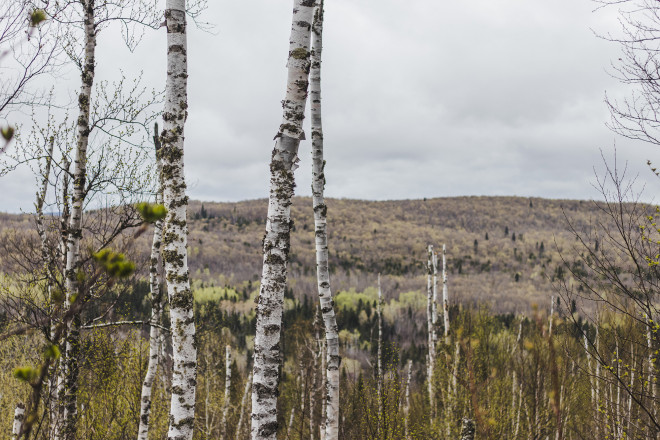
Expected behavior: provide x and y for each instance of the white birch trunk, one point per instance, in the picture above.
(315, 371)
(225, 409)
(452, 389)
(156, 311)
(278, 226)
(406, 408)
(175, 230)
(552, 312)
(331, 400)
(379, 371)
(650, 372)
(248, 384)
(324, 385)
(74, 229)
(431, 331)
(632, 387)
(19, 416)
(445, 294)
(434, 304)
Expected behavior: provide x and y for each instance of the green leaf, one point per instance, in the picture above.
(151, 212)
(26, 374)
(52, 352)
(37, 16)
(114, 263)
(7, 133)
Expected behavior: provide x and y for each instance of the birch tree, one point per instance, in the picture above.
(175, 230)
(445, 295)
(156, 309)
(278, 226)
(225, 405)
(331, 375)
(431, 331)
(379, 371)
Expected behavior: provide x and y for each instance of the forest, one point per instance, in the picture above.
(129, 310)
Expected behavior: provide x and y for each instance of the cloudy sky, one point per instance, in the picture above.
(420, 99)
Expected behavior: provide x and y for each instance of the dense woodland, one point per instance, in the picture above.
(129, 311)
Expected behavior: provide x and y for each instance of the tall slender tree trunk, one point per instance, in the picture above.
(278, 226)
(331, 401)
(175, 229)
(156, 309)
(467, 429)
(379, 371)
(406, 408)
(74, 229)
(431, 331)
(445, 294)
(434, 304)
(239, 427)
(324, 386)
(225, 406)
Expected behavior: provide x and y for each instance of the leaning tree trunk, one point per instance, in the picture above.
(225, 405)
(156, 309)
(175, 235)
(278, 226)
(74, 229)
(431, 331)
(331, 401)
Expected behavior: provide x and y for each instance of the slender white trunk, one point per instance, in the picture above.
(406, 408)
(225, 409)
(632, 387)
(445, 294)
(331, 400)
(618, 422)
(431, 332)
(156, 311)
(315, 371)
(379, 371)
(278, 226)
(517, 427)
(552, 312)
(324, 385)
(434, 304)
(74, 229)
(248, 384)
(452, 389)
(19, 416)
(650, 367)
(597, 380)
(175, 229)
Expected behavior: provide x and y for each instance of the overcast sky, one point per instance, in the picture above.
(420, 99)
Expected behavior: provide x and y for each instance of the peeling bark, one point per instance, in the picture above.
(175, 230)
(278, 226)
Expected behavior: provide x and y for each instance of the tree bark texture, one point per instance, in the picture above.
(445, 294)
(156, 312)
(175, 230)
(406, 408)
(379, 372)
(19, 416)
(225, 405)
(331, 401)
(467, 429)
(429, 322)
(278, 226)
(74, 230)
(248, 384)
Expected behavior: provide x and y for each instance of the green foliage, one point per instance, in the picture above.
(7, 133)
(150, 212)
(52, 352)
(114, 263)
(26, 374)
(37, 16)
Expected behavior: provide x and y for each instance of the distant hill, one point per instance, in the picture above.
(502, 251)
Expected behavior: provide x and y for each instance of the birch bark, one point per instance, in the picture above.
(331, 401)
(429, 322)
(175, 230)
(445, 294)
(406, 408)
(278, 226)
(19, 415)
(379, 371)
(248, 384)
(468, 429)
(156, 310)
(225, 408)
(74, 229)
